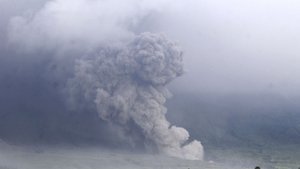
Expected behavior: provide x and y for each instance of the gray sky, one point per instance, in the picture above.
(230, 46)
(233, 47)
(246, 46)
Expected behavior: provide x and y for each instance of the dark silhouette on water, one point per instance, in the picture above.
(257, 167)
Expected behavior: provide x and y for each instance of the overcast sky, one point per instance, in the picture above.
(230, 46)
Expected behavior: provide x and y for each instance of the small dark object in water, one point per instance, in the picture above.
(257, 167)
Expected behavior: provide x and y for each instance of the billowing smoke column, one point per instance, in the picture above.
(128, 84)
(121, 75)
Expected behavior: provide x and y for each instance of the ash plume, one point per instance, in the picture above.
(106, 67)
(128, 84)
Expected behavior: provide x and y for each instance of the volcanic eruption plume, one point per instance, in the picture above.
(129, 84)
